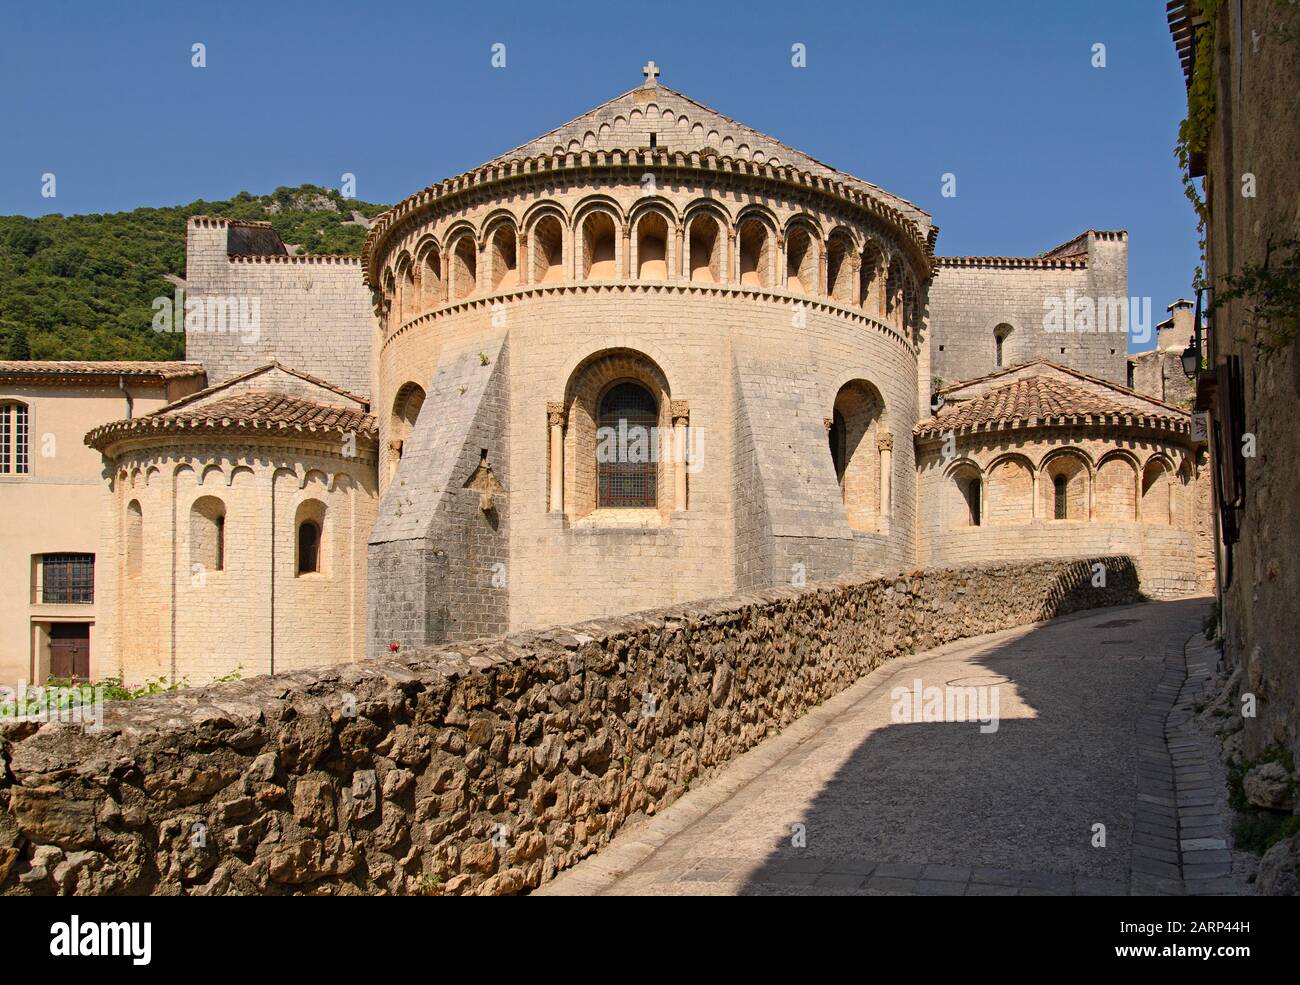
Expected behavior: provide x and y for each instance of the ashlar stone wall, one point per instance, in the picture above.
(476, 768)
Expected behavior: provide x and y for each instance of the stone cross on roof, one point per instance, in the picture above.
(651, 72)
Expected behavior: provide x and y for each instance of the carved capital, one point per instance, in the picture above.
(885, 441)
(829, 422)
(555, 413)
(681, 411)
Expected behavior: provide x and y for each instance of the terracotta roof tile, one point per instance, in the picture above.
(66, 369)
(1037, 399)
(256, 412)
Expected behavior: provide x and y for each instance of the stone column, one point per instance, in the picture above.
(555, 415)
(885, 442)
(522, 258)
(675, 270)
(1033, 487)
(681, 418)
(730, 260)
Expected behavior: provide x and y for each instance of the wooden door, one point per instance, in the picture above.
(70, 650)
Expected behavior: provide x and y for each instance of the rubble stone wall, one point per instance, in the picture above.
(482, 767)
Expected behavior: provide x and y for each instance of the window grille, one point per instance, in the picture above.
(626, 467)
(68, 578)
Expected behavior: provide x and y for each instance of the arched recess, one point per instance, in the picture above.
(134, 539)
(802, 258)
(1183, 505)
(871, 279)
(964, 496)
(1010, 491)
(855, 452)
(406, 296)
(705, 246)
(207, 535)
(406, 411)
(592, 380)
(432, 286)
(911, 308)
(1064, 486)
(1115, 495)
(839, 266)
(599, 245)
(464, 267)
(504, 254)
(388, 301)
(754, 239)
(652, 233)
(546, 249)
(894, 292)
(1157, 491)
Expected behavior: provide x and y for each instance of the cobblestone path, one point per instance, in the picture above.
(1092, 730)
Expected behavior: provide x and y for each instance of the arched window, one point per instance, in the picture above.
(968, 505)
(1000, 335)
(134, 538)
(308, 547)
(207, 534)
(855, 452)
(836, 436)
(626, 459)
(755, 259)
(599, 257)
(652, 247)
(1066, 487)
(406, 411)
(310, 555)
(15, 457)
(548, 250)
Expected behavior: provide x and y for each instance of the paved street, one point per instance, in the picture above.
(854, 799)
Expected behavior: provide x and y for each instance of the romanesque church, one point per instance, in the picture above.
(648, 357)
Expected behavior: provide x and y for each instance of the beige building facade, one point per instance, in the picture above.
(53, 597)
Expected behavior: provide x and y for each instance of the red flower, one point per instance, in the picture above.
(394, 647)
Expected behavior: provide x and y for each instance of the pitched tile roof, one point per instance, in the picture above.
(250, 412)
(1046, 400)
(267, 368)
(77, 370)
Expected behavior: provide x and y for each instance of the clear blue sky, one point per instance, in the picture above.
(1001, 94)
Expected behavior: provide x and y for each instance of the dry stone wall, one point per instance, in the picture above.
(473, 768)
